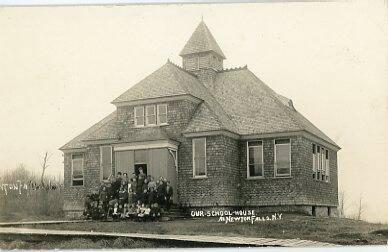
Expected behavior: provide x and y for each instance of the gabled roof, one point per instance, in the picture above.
(171, 80)
(204, 119)
(255, 108)
(202, 41)
(104, 129)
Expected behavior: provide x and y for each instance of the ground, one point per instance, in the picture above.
(331, 230)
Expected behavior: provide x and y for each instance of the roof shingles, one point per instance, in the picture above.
(201, 41)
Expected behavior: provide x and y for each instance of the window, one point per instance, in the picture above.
(282, 158)
(139, 116)
(327, 167)
(162, 114)
(255, 159)
(320, 163)
(314, 162)
(323, 164)
(150, 115)
(77, 169)
(106, 162)
(199, 157)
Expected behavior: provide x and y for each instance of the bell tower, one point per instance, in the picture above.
(202, 55)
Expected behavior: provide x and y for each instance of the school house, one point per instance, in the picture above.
(222, 137)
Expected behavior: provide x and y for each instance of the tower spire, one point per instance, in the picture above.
(202, 51)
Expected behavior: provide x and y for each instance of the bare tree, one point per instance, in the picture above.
(360, 209)
(45, 165)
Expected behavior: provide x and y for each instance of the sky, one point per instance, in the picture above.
(60, 67)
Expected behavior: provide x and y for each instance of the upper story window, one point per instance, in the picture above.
(199, 157)
(139, 116)
(321, 167)
(77, 169)
(150, 115)
(105, 162)
(282, 157)
(162, 114)
(255, 167)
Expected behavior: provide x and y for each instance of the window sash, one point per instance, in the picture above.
(199, 157)
(139, 116)
(283, 164)
(162, 114)
(255, 165)
(150, 115)
(77, 169)
(106, 156)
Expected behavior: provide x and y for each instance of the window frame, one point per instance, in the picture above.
(193, 154)
(111, 163)
(262, 159)
(275, 163)
(314, 153)
(72, 169)
(137, 116)
(146, 115)
(157, 114)
(327, 161)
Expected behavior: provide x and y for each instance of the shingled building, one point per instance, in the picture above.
(221, 136)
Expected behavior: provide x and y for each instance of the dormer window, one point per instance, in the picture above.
(150, 115)
(162, 114)
(139, 116)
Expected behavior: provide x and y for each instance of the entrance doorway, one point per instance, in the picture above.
(142, 166)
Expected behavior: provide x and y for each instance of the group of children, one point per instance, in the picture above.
(139, 198)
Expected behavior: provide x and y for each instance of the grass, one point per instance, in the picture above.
(80, 243)
(31, 205)
(332, 230)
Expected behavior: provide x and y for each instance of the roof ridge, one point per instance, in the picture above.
(102, 124)
(180, 67)
(214, 100)
(198, 110)
(274, 95)
(271, 92)
(107, 118)
(233, 69)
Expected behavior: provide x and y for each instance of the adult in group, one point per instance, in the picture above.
(169, 194)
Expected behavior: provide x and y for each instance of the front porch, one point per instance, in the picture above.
(156, 158)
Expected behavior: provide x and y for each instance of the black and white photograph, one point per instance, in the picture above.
(176, 125)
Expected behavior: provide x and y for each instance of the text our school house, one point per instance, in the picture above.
(222, 137)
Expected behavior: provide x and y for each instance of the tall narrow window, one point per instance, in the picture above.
(255, 159)
(327, 166)
(150, 115)
(139, 116)
(282, 157)
(314, 163)
(162, 114)
(323, 164)
(77, 169)
(106, 162)
(318, 162)
(199, 157)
